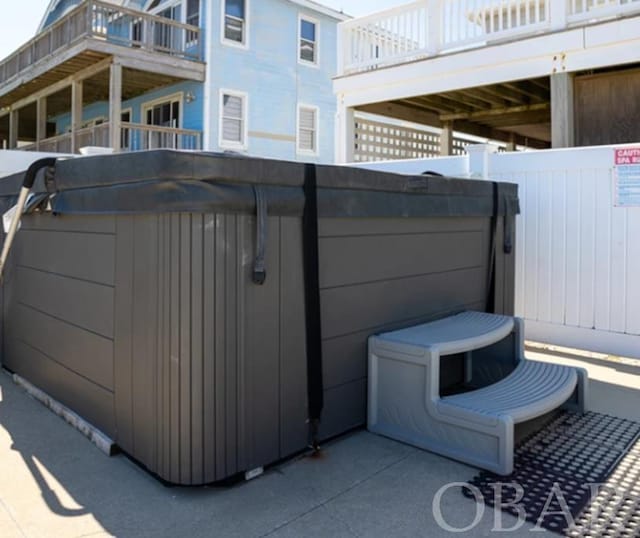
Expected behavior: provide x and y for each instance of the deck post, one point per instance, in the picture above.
(13, 128)
(76, 113)
(345, 135)
(115, 106)
(446, 139)
(562, 120)
(41, 120)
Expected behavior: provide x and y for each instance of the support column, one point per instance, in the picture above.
(446, 139)
(41, 119)
(511, 144)
(115, 106)
(76, 114)
(562, 121)
(345, 135)
(13, 129)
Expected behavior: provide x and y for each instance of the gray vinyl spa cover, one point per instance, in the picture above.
(210, 312)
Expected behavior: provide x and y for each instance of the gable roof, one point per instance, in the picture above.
(309, 4)
(321, 8)
(53, 4)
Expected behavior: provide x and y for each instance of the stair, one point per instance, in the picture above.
(476, 427)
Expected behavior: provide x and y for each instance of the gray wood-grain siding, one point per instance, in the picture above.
(209, 368)
(151, 327)
(58, 312)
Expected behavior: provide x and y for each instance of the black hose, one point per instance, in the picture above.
(32, 171)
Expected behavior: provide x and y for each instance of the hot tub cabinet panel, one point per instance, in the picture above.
(135, 305)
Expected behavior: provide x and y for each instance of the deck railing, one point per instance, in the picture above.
(114, 24)
(133, 137)
(427, 28)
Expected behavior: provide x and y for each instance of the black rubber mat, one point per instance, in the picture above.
(579, 476)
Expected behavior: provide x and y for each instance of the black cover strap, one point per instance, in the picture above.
(491, 281)
(315, 388)
(259, 264)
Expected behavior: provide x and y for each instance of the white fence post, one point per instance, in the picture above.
(478, 159)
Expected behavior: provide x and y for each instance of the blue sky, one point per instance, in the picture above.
(22, 17)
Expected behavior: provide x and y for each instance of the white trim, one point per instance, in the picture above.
(316, 49)
(166, 4)
(245, 34)
(316, 138)
(92, 122)
(123, 111)
(226, 144)
(145, 106)
(324, 10)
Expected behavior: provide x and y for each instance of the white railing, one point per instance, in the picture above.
(133, 137)
(584, 10)
(137, 137)
(473, 22)
(400, 33)
(577, 259)
(430, 27)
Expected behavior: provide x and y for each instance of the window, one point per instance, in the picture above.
(192, 18)
(233, 119)
(308, 41)
(193, 12)
(163, 113)
(235, 18)
(165, 37)
(307, 129)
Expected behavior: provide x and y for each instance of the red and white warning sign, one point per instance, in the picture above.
(627, 176)
(627, 155)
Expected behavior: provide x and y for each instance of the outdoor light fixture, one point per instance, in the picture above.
(190, 97)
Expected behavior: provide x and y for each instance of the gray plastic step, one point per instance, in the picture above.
(531, 390)
(456, 334)
(476, 427)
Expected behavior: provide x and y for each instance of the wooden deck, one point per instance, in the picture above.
(93, 32)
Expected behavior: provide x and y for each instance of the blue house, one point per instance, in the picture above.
(249, 76)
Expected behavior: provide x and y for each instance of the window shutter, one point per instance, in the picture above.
(232, 118)
(307, 129)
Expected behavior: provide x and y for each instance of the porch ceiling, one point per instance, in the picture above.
(96, 88)
(518, 111)
(56, 73)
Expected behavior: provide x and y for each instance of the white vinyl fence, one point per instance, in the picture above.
(577, 254)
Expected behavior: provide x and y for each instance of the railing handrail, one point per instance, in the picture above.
(427, 28)
(159, 129)
(48, 30)
(86, 29)
(383, 13)
(144, 15)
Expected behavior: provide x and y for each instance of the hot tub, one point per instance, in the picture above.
(200, 308)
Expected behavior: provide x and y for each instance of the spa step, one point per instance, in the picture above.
(531, 390)
(456, 334)
(476, 427)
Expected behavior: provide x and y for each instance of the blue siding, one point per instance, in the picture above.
(192, 113)
(269, 72)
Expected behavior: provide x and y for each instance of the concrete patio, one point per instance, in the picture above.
(55, 483)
